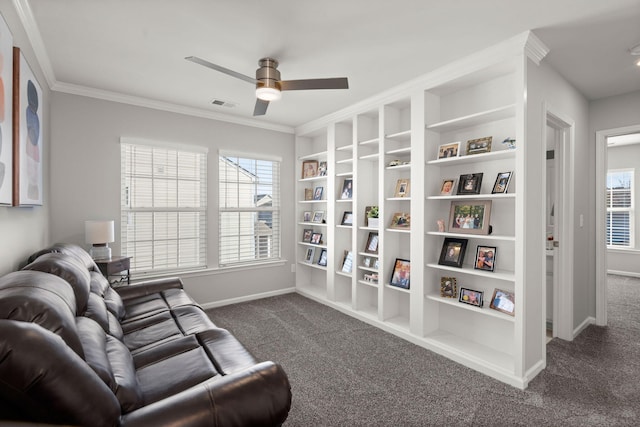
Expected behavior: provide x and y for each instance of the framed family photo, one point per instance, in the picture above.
(448, 187)
(309, 169)
(401, 273)
(448, 287)
(503, 301)
(480, 145)
(502, 183)
(318, 217)
(347, 218)
(471, 297)
(401, 220)
(347, 189)
(470, 183)
(372, 244)
(306, 216)
(452, 253)
(403, 188)
(306, 235)
(317, 193)
(451, 149)
(322, 259)
(470, 217)
(308, 257)
(485, 258)
(316, 238)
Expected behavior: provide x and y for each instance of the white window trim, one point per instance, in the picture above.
(630, 209)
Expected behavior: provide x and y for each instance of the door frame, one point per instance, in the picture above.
(600, 188)
(563, 254)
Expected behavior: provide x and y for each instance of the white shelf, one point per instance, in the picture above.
(368, 228)
(373, 270)
(368, 254)
(320, 154)
(342, 273)
(313, 224)
(407, 166)
(373, 285)
(507, 276)
(404, 150)
(474, 158)
(344, 200)
(473, 236)
(350, 173)
(312, 245)
(369, 157)
(345, 148)
(484, 310)
(475, 119)
(313, 178)
(316, 266)
(396, 288)
(369, 141)
(399, 322)
(399, 230)
(313, 201)
(405, 135)
(344, 161)
(474, 196)
(391, 199)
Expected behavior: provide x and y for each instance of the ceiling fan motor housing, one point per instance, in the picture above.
(268, 75)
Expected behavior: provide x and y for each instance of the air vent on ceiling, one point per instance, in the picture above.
(223, 103)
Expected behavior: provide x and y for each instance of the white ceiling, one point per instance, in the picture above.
(137, 47)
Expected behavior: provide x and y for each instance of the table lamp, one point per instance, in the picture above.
(99, 234)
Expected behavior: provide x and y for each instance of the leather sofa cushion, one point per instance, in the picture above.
(41, 298)
(70, 249)
(226, 352)
(94, 344)
(114, 303)
(97, 311)
(69, 269)
(128, 391)
(151, 331)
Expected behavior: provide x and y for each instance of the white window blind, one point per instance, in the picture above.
(164, 206)
(249, 217)
(620, 208)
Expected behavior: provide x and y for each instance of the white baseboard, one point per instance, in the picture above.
(246, 298)
(582, 326)
(623, 273)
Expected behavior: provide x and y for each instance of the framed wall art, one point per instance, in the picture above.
(27, 134)
(6, 114)
(470, 217)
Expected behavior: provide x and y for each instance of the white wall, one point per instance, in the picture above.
(610, 113)
(25, 230)
(85, 166)
(546, 85)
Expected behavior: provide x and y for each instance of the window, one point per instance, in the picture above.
(249, 218)
(164, 205)
(620, 214)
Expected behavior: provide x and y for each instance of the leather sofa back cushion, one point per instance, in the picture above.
(68, 268)
(100, 286)
(44, 381)
(41, 298)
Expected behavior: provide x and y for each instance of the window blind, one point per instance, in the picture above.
(620, 208)
(249, 217)
(163, 206)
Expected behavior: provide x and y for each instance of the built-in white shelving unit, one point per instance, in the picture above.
(396, 140)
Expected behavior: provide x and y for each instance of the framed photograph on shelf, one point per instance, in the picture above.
(470, 217)
(308, 193)
(448, 187)
(322, 259)
(316, 238)
(480, 145)
(317, 193)
(403, 187)
(347, 189)
(318, 217)
(322, 169)
(372, 243)
(366, 262)
(485, 258)
(503, 301)
(347, 218)
(451, 149)
(401, 273)
(452, 253)
(470, 183)
(309, 254)
(448, 287)
(306, 235)
(306, 216)
(502, 183)
(401, 220)
(347, 262)
(471, 297)
(309, 169)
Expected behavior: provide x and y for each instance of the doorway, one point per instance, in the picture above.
(559, 143)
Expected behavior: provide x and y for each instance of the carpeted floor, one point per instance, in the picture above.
(344, 372)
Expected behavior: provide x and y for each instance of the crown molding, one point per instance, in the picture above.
(138, 101)
(535, 49)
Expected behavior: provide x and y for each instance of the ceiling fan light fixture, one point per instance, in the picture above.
(267, 93)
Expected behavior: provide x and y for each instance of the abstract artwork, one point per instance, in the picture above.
(27, 134)
(6, 104)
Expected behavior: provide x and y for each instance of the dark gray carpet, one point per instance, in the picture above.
(344, 372)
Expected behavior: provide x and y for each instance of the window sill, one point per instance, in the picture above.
(623, 250)
(208, 271)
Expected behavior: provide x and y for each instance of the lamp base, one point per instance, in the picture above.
(100, 251)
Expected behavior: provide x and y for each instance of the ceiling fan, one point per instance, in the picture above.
(268, 83)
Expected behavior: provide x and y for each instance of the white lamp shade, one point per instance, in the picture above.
(99, 232)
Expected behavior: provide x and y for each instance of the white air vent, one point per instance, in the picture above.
(223, 103)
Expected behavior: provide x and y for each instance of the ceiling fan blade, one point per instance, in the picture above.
(261, 107)
(221, 69)
(333, 83)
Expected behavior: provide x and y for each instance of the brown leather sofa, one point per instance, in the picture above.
(74, 350)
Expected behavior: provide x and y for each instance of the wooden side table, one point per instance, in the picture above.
(117, 266)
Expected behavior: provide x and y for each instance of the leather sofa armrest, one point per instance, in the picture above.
(258, 396)
(148, 287)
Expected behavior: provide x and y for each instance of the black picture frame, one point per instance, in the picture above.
(347, 218)
(485, 258)
(316, 238)
(453, 251)
(503, 301)
(401, 275)
(470, 183)
(471, 297)
(448, 287)
(502, 183)
(322, 259)
(372, 243)
(306, 235)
